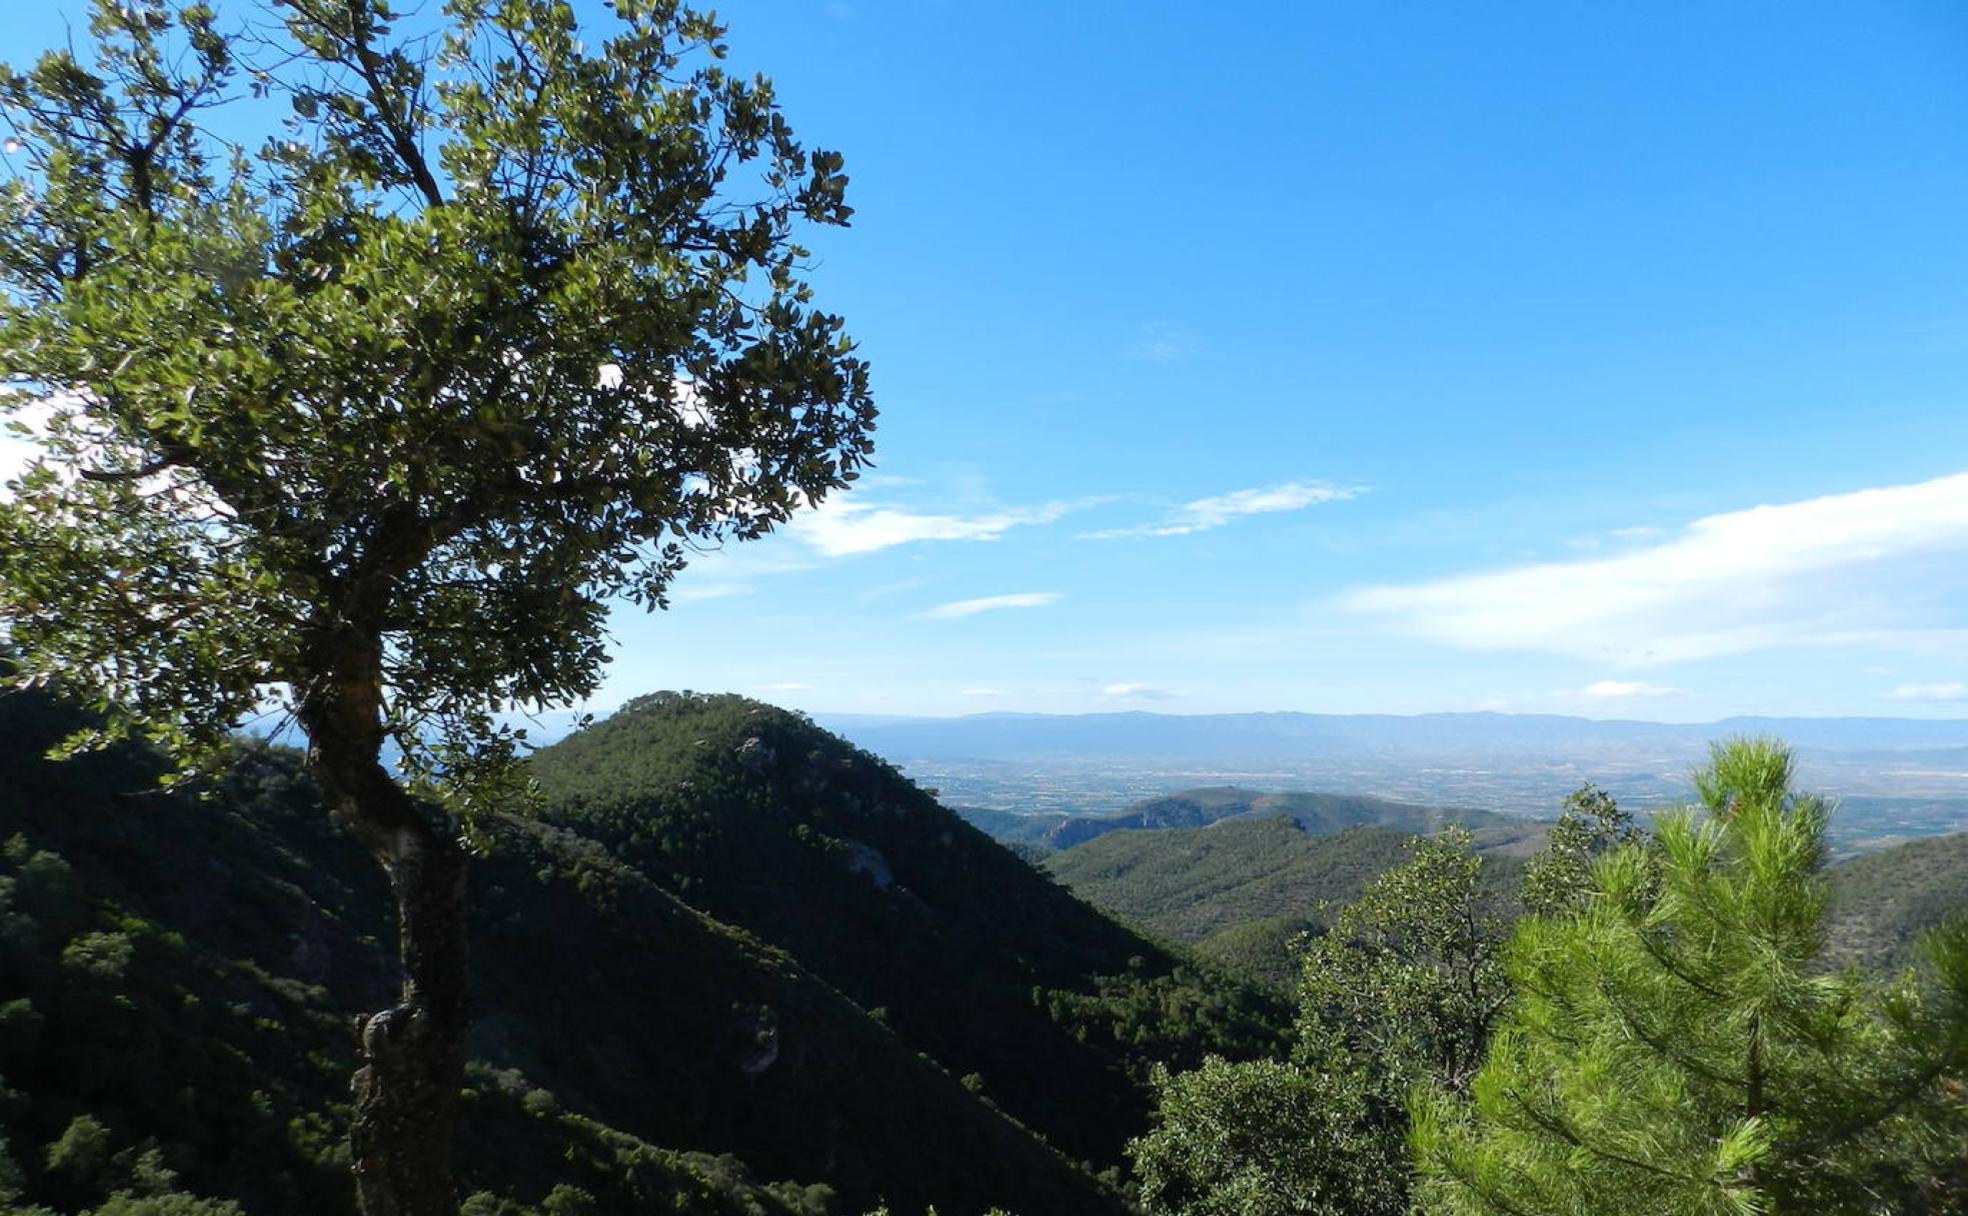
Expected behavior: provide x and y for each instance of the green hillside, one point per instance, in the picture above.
(1011, 827)
(1319, 813)
(1240, 890)
(1210, 886)
(1264, 950)
(183, 973)
(736, 967)
(1189, 884)
(769, 823)
(1880, 902)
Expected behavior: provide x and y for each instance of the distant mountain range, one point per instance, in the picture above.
(1903, 778)
(1254, 736)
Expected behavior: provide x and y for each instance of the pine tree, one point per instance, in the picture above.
(1675, 1045)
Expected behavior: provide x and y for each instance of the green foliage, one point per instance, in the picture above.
(1202, 885)
(1880, 904)
(1143, 1020)
(1409, 977)
(82, 1151)
(1314, 812)
(425, 355)
(612, 1019)
(1404, 988)
(975, 958)
(1559, 878)
(1264, 951)
(130, 1181)
(365, 414)
(1676, 1047)
(167, 1205)
(1190, 883)
(1265, 1138)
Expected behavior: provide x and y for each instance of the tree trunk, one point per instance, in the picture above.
(411, 1055)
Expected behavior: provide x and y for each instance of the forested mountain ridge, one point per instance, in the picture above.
(1221, 803)
(1881, 902)
(1239, 889)
(770, 823)
(1314, 812)
(182, 972)
(177, 977)
(180, 976)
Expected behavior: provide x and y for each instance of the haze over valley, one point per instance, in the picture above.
(1895, 778)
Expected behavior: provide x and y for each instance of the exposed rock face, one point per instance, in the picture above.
(866, 859)
(759, 1031)
(755, 754)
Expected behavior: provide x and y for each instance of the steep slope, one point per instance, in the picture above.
(183, 973)
(1209, 885)
(1265, 950)
(1881, 902)
(1011, 827)
(1188, 884)
(1318, 813)
(972, 956)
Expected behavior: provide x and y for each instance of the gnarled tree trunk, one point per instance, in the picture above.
(411, 1055)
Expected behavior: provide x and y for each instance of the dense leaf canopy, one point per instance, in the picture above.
(443, 337)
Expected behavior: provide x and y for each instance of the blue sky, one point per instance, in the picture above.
(1603, 359)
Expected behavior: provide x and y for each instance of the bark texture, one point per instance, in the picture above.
(412, 1054)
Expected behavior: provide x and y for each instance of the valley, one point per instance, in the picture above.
(1896, 779)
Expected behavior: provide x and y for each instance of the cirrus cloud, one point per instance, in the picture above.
(1626, 690)
(842, 527)
(1952, 690)
(1137, 692)
(1203, 514)
(1836, 570)
(957, 609)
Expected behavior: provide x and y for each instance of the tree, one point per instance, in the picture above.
(369, 420)
(1559, 876)
(1267, 1138)
(1410, 977)
(1675, 1047)
(1403, 989)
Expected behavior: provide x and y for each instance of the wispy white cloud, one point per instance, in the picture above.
(982, 692)
(1163, 343)
(842, 527)
(990, 603)
(788, 686)
(1827, 571)
(1202, 514)
(1952, 690)
(1137, 692)
(1626, 690)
